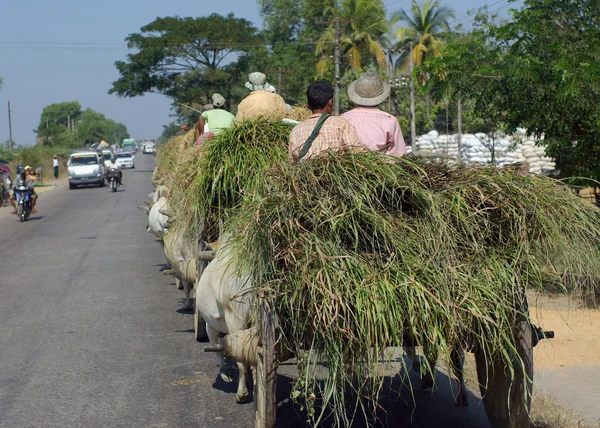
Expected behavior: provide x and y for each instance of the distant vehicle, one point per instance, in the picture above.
(23, 195)
(106, 155)
(85, 167)
(126, 160)
(130, 144)
(148, 148)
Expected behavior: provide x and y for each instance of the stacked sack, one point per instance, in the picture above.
(477, 149)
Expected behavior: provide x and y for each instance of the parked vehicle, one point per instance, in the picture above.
(126, 160)
(85, 167)
(23, 203)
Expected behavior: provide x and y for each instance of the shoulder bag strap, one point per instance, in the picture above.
(308, 144)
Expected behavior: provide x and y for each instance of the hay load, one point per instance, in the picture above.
(362, 252)
(208, 182)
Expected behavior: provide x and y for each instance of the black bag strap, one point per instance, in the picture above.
(308, 144)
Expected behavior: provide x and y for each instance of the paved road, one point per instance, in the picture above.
(91, 334)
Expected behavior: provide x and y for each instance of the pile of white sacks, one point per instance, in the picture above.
(477, 149)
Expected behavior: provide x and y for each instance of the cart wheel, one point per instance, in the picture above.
(265, 384)
(507, 397)
(199, 325)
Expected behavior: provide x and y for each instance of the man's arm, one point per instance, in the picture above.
(349, 137)
(396, 141)
(199, 128)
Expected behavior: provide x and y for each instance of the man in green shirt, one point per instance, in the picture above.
(217, 119)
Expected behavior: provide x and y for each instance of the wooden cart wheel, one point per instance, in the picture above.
(506, 396)
(265, 384)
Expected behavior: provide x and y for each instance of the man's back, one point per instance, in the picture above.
(377, 130)
(335, 134)
(218, 120)
(260, 103)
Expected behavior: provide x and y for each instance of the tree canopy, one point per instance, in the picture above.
(540, 71)
(183, 58)
(66, 124)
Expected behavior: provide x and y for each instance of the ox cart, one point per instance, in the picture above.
(506, 393)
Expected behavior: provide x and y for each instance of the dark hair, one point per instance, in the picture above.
(318, 94)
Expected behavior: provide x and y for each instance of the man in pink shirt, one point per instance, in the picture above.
(376, 129)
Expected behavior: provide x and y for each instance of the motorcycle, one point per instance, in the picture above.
(113, 175)
(23, 203)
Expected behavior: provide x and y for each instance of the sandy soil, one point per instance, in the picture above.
(577, 341)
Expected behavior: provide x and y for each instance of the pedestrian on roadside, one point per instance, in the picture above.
(55, 165)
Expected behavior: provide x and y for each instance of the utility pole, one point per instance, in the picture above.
(280, 72)
(413, 120)
(459, 136)
(336, 59)
(10, 140)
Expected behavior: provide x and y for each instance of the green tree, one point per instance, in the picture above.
(359, 41)
(540, 71)
(54, 122)
(95, 127)
(183, 58)
(169, 131)
(425, 27)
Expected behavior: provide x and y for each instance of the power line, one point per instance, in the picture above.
(469, 18)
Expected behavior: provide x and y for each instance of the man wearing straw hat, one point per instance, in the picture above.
(321, 131)
(262, 101)
(376, 129)
(216, 118)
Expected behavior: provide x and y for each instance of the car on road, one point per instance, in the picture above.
(126, 160)
(85, 167)
(148, 148)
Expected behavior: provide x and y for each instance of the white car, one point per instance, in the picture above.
(126, 160)
(148, 148)
(85, 167)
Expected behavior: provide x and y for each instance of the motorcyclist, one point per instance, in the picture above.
(23, 180)
(114, 166)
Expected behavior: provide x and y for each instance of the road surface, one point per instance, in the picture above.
(92, 335)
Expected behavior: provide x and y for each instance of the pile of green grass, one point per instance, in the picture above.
(209, 185)
(362, 252)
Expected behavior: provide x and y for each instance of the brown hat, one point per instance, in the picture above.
(368, 90)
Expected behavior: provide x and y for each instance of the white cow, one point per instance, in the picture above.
(223, 300)
(181, 251)
(158, 222)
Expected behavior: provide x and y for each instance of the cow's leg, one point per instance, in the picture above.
(242, 395)
(224, 369)
(458, 363)
(426, 378)
(187, 287)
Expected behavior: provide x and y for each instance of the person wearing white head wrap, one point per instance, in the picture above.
(217, 119)
(262, 101)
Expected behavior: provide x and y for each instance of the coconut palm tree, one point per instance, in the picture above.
(359, 38)
(425, 28)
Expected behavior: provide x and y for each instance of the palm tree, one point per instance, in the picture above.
(359, 38)
(425, 29)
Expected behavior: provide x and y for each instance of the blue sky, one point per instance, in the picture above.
(64, 50)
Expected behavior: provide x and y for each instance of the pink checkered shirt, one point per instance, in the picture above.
(377, 130)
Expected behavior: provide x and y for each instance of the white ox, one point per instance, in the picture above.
(157, 221)
(181, 251)
(223, 300)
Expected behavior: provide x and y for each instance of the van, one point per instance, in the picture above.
(85, 167)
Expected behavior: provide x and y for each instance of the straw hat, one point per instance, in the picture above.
(218, 100)
(368, 90)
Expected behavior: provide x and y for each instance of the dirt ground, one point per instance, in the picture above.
(577, 330)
